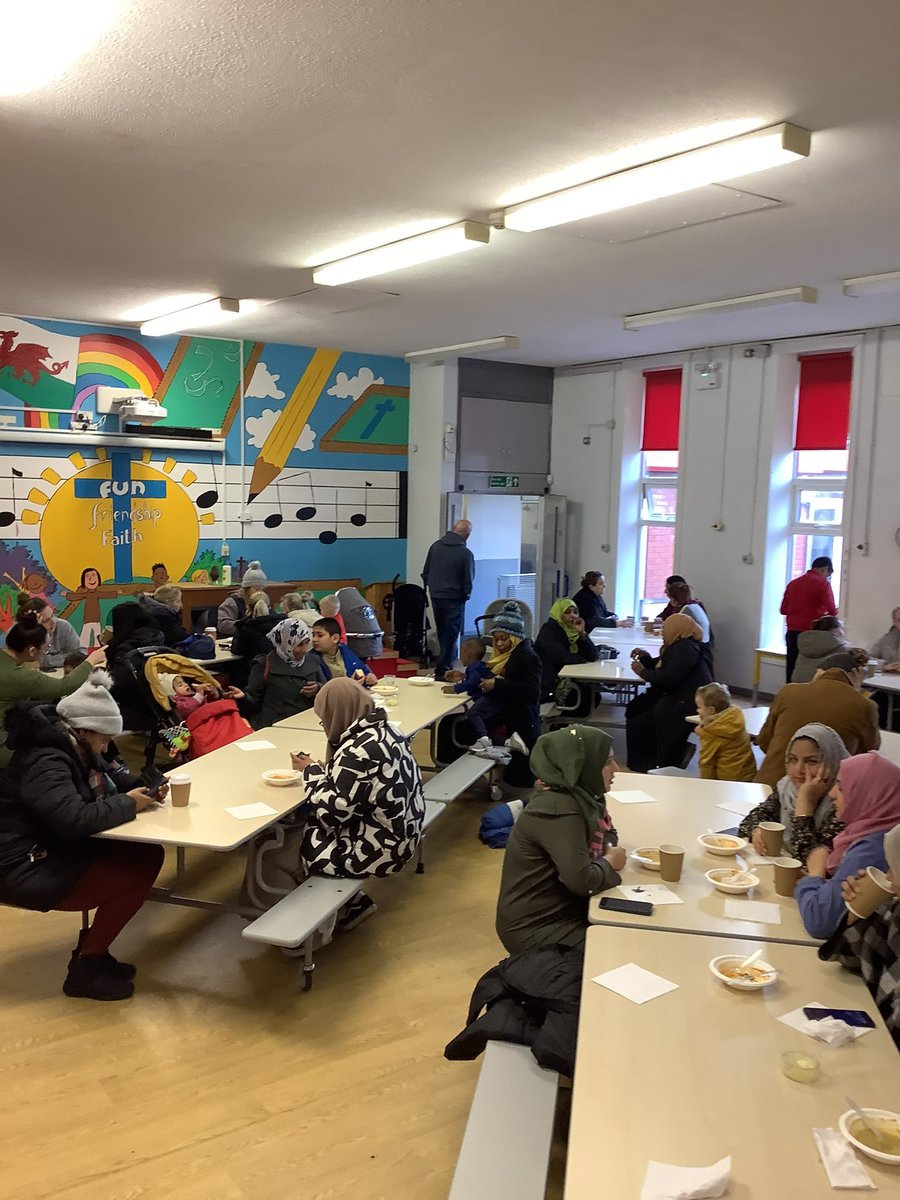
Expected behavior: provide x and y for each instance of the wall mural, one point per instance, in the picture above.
(312, 480)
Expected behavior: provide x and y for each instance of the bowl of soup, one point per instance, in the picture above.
(886, 1150)
(728, 970)
(282, 777)
(732, 880)
(724, 844)
(420, 681)
(385, 689)
(647, 857)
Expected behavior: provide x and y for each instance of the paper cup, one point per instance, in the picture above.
(671, 860)
(874, 891)
(180, 790)
(787, 875)
(773, 837)
(211, 631)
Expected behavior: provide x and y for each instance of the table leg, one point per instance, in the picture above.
(890, 712)
(757, 670)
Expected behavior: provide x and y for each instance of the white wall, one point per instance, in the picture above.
(432, 408)
(735, 471)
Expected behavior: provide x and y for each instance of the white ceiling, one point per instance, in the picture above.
(220, 148)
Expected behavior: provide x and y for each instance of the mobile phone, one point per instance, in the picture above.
(643, 907)
(154, 780)
(853, 1017)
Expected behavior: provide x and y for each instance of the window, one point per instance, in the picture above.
(659, 488)
(821, 459)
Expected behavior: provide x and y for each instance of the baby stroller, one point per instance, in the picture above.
(217, 723)
(364, 634)
(495, 607)
(408, 606)
(140, 712)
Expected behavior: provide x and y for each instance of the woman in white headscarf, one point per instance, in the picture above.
(800, 800)
(284, 681)
(871, 946)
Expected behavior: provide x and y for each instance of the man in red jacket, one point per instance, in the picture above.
(805, 600)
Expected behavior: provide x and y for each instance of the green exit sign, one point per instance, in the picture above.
(503, 481)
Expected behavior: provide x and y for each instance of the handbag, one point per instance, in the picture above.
(197, 645)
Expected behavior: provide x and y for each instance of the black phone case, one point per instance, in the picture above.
(643, 907)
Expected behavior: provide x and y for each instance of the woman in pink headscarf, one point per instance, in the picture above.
(866, 798)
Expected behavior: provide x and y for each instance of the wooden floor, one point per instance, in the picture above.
(219, 1080)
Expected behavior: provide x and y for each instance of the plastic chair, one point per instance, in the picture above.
(495, 607)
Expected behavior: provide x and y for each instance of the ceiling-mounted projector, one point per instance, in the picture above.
(129, 405)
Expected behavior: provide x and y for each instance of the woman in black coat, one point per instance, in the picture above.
(562, 640)
(656, 732)
(57, 792)
(515, 684)
(592, 606)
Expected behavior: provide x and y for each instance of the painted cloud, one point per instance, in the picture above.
(345, 388)
(259, 428)
(264, 385)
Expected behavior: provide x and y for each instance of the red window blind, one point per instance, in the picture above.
(823, 401)
(662, 409)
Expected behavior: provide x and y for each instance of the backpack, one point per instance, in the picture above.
(197, 645)
(250, 635)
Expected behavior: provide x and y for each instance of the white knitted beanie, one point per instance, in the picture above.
(92, 707)
(254, 576)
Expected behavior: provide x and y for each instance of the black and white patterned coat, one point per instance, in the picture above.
(365, 808)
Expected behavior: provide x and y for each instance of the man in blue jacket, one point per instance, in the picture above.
(448, 575)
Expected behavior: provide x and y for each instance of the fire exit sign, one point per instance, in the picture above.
(503, 481)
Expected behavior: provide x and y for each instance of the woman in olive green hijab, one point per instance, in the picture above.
(563, 848)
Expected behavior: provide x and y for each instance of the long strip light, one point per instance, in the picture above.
(793, 295)
(410, 252)
(464, 349)
(197, 316)
(744, 155)
(871, 285)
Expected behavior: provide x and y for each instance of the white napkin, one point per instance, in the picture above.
(247, 812)
(260, 744)
(753, 910)
(798, 1020)
(665, 1182)
(741, 808)
(634, 983)
(843, 1168)
(830, 1030)
(634, 797)
(652, 893)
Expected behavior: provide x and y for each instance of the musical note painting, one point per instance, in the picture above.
(294, 455)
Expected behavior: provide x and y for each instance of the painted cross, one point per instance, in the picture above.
(381, 410)
(120, 490)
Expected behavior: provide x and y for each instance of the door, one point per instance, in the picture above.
(551, 580)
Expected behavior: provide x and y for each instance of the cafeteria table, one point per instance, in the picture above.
(683, 809)
(695, 1075)
(890, 685)
(417, 706)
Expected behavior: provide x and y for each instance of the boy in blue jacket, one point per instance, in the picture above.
(471, 654)
(336, 658)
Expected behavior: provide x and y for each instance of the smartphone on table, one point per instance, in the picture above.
(642, 907)
(854, 1017)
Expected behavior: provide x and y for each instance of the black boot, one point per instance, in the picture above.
(119, 970)
(89, 977)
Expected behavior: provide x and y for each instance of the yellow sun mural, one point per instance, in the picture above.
(117, 517)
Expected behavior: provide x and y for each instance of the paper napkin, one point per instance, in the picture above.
(753, 910)
(246, 812)
(665, 1182)
(634, 983)
(843, 1168)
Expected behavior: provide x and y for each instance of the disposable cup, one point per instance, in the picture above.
(773, 837)
(180, 790)
(671, 860)
(874, 891)
(211, 631)
(787, 875)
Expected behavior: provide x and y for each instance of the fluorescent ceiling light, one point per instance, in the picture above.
(45, 37)
(871, 285)
(425, 247)
(793, 295)
(439, 353)
(198, 316)
(744, 155)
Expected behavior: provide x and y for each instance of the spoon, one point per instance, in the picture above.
(865, 1120)
(748, 962)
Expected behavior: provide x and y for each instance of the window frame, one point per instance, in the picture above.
(653, 477)
(832, 529)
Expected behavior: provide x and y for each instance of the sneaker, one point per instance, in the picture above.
(120, 970)
(90, 979)
(514, 742)
(483, 743)
(355, 912)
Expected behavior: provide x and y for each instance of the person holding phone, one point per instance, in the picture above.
(866, 795)
(57, 792)
(870, 947)
(563, 849)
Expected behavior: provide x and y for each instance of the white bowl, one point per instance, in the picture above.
(847, 1119)
(282, 777)
(733, 889)
(420, 680)
(736, 844)
(385, 689)
(640, 856)
(743, 985)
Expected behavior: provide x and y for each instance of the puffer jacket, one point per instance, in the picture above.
(168, 622)
(725, 750)
(364, 809)
(531, 999)
(47, 807)
(814, 645)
